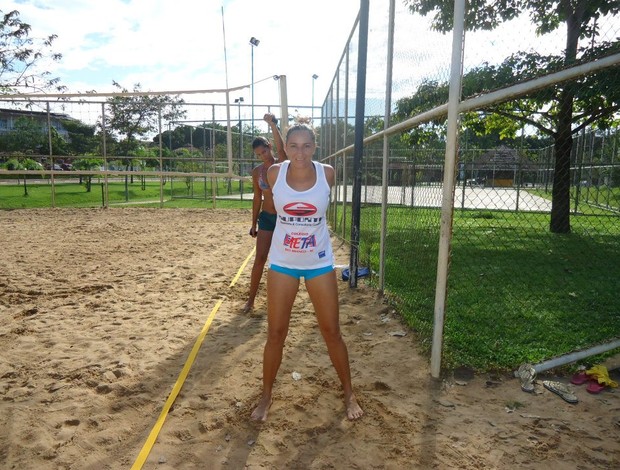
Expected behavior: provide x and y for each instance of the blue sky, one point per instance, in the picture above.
(179, 45)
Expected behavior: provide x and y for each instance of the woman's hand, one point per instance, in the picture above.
(268, 118)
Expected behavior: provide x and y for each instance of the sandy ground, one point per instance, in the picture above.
(99, 310)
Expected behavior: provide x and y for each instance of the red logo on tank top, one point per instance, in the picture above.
(300, 209)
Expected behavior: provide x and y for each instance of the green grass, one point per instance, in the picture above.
(73, 194)
(538, 294)
(517, 293)
(589, 200)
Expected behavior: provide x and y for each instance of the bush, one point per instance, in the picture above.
(30, 164)
(14, 164)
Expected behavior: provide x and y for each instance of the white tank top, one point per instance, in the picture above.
(301, 237)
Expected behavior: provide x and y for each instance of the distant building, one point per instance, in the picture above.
(8, 118)
(502, 167)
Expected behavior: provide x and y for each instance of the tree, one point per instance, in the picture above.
(429, 135)
(82, 139)
(560, 111)
(204, 132)
(89, 164)
(134, 116)
(20, 54)
(20, 162)
(176, 138)
(27, 136)
(201, 136)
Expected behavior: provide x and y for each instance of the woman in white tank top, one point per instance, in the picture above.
(301, 233)
(301, 247)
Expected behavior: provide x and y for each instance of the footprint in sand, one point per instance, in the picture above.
(67, 429)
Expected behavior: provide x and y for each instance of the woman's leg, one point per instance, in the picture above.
(323, 291)
(281, 293)
(263, 243)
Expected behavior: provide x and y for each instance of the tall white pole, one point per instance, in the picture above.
(252, 46)
(314, 77)
(228, 129)
(253, 43)
(447, 203)
(283, 105)
(51, 154)
(386, 145)
(229, 150)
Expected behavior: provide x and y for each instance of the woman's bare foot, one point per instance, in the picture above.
(248, 307)
(261, 410)
(354, 411)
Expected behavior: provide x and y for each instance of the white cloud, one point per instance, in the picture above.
(179, 45)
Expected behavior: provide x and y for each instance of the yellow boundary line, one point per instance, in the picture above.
(245, 263)
(150, 441)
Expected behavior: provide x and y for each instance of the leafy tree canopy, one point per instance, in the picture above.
(199, 136)
(82, 139)
(20, 54)
(558, 111)
(548, 15)
(135, 116)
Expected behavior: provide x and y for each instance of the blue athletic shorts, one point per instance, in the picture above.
(267, 221)
(307, 274)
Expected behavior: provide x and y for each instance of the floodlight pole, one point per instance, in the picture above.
(239, 101)
(253, 43)
(314, 77)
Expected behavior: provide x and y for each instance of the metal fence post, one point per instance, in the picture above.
(386, 146)
(447, 206)
(359, 140)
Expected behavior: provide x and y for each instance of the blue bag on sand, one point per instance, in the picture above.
(361, 272)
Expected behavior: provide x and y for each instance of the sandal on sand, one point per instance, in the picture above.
(561, 390)
(526, 375)
(580, 378)
(595, 387)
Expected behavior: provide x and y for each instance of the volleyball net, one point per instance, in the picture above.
(194, 143)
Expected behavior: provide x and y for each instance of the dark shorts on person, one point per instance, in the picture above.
(267, 221)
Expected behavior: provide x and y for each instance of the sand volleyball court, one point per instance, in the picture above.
(99, 310)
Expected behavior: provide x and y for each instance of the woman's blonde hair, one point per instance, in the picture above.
(302, 123)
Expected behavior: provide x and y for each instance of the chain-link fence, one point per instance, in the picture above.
(533, 224)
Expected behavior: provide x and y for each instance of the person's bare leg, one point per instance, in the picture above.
(323, 291)
(263, 242)
(281, 292)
